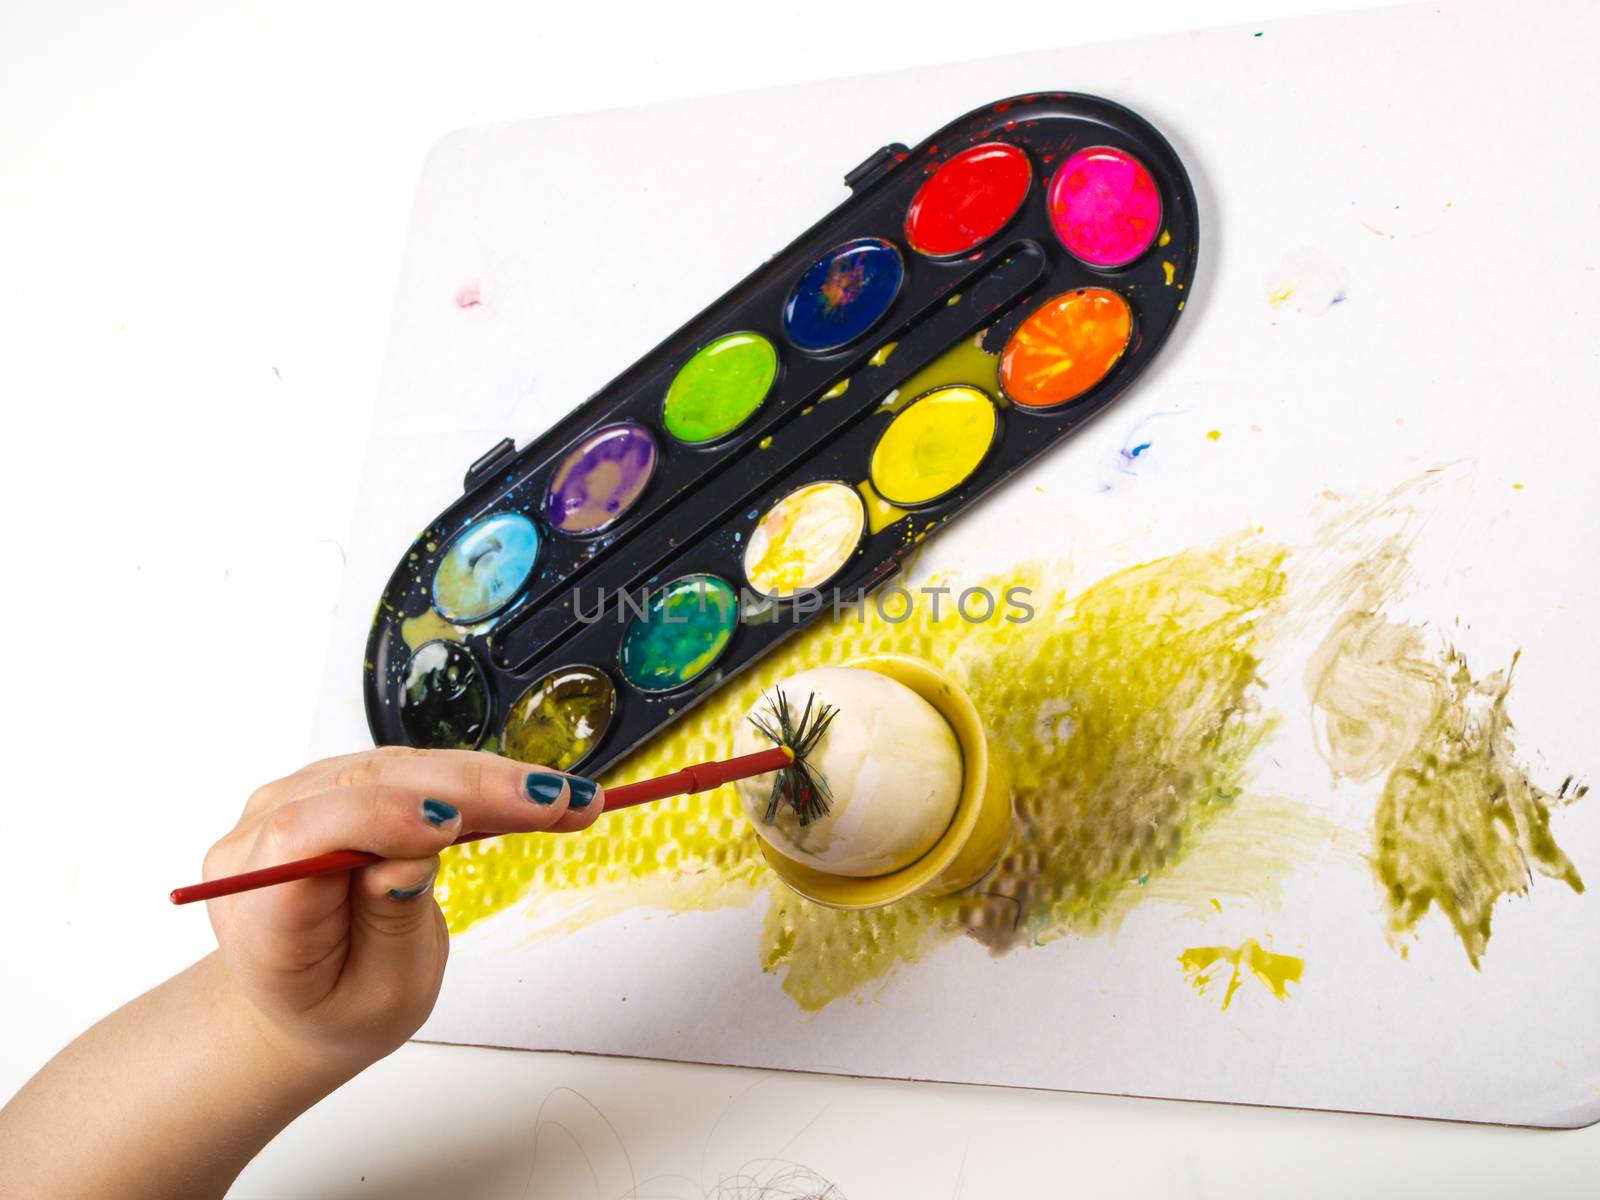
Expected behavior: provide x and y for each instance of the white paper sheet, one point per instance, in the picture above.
(1420, 179)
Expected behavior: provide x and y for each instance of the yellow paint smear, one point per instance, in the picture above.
(1170, 270)
(429, 627)
(880, 513)
(1165, 239)
(1124, 711)
(882, 353)
(1460, 824)
(966, 362)
(1372, 686)
(1203, 965)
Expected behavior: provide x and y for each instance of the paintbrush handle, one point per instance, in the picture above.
(700, 777)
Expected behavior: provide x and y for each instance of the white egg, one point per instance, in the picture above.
(892, 766)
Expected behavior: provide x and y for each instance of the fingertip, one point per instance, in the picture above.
(585, 794)
(401, 881)
(415, 891)
(442, 815)
(548, 789)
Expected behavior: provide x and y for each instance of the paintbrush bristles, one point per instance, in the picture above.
(800, 785)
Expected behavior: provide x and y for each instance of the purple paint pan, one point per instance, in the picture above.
(600, 478)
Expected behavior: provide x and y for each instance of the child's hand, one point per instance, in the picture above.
(174, 1092)
(346, 967)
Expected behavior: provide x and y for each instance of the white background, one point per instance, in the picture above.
(201, 217)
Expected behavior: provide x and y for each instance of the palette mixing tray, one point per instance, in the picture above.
(977, 299)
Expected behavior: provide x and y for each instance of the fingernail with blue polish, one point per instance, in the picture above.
(544, 788)
(437, 813)
(583, 791)
(411, 893)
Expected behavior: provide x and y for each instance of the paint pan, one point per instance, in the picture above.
(561, 718)
(1066, 347)
(601, 478)
(968, 199)
(720, 388)
(485, 567)
(681, 632)
(934, 445)
(1105, 206)
(842, 296)
(977, 299)
(443, 702)
(805, 539)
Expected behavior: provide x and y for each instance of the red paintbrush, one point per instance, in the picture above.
(698, 778)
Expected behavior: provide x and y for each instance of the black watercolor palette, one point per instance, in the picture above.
(975, 300)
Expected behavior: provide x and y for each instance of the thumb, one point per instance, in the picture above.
(398, 939)
(395, 896)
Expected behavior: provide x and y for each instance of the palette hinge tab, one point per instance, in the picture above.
(875, 166)
(489, 462)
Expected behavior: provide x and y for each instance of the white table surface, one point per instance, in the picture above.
(202, 210)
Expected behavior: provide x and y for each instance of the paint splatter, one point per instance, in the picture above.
(1307, 282)
(967, 362)
(880, 513)
(1459, 824)
(1135, 448)
(430, 626)
(1372, 687)
(1203, 966)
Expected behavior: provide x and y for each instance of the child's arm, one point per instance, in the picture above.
(173, 1094)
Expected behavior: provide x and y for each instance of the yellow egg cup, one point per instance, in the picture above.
(976, 834)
